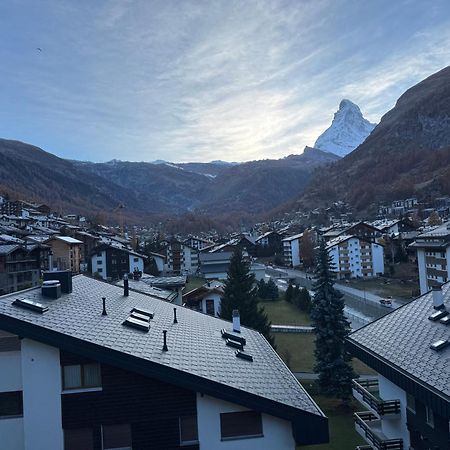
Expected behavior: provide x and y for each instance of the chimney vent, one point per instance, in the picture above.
(236, 321)
(126, 289)
(165, 349)
(63, 276)
(438, 300)
(175, 315)
(104, 313)
(51, 289)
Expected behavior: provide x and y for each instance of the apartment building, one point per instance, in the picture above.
(97, 368)
(66, 253)
(291, 250)
(433, 255)
(353, 257)
(21, 266)
(181, 259)
(408, 406)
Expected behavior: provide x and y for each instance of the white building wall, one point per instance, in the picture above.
(422, 270)
(354, 248)
(11, 434)
(10, 372)
(295, 247)
(95, 260)
(394, 427)
(139, 264)
(277, 432)
(377, 259)
(216, 298)
(11, 429)
(41, 378)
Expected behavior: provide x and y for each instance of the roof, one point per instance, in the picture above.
(338, 240)
(165, 281)
(266, 234)
(8, 248)
(197, 357)
(402, 339)
(67, 239)
(146, 288)
(292, 238)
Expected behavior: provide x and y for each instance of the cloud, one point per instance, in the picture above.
(194, 80)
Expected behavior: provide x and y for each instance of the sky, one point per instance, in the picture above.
(184, 80)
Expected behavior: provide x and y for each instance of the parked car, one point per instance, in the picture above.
(386, 301)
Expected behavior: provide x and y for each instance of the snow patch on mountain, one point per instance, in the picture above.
(348, 129)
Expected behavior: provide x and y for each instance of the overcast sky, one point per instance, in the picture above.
(204, 80)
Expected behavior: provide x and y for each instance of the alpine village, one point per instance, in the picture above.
(295, 300)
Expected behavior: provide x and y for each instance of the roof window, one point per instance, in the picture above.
(438, 315)
(30, 304)
(439, 345)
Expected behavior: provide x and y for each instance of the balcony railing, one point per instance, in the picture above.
(381, 407)
(368, 422)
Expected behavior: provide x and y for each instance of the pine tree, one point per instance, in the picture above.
(262, 289)
(304, 300)
(272, 290)
(331, 329)
(289, 294)
(241, 293)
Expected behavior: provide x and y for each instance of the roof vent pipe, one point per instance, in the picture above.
(438, 299)
(236, 321)
(104, 313)
(165, 341)
(126, 289)
(175, 315)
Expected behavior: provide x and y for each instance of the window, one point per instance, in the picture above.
(81, 438)
(411, 403)
(240, 425)
(210, 307)
(429, 416)
(136, 259)
(81, 376)
(11, 404)
(99, 269)
(99, 255)
(99, 262)
(188, 430)
(116, 436)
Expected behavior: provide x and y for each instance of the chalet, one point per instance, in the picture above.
(198, 243)
(408, 405)
(268, 243)
(353, 257)
(95, 368)
(112, 262)
(205, 299)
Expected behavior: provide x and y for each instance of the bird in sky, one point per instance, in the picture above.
(39, 49)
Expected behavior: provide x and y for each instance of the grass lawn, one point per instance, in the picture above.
(340, 422)
(403, 290)
(193, 283)
(297, 351)
(283, 313)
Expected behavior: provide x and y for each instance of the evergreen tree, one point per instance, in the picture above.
(272, 290)
(241, 293)
(289, 294)
(304, 300)
(331, 329)
(262, 289)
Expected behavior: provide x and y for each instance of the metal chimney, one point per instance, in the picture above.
(165, 349)
(104, 313)
(236, 321)
(438, 298)
(126, 289)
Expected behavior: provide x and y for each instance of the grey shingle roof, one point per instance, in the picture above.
(195, 343)
(403, 338)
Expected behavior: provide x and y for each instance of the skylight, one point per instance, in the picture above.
(438, 315)
(439, 345)
(144, 312)
(132, 322)
(445, 320)
(243, 355)
(30, 304)
(233, 337)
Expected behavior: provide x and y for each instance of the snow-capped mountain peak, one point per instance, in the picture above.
(348, 129)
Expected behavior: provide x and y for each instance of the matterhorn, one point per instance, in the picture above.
(348, 130)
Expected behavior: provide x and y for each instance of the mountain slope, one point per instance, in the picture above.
(148, 189)
(408, 153)
(348, 130)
